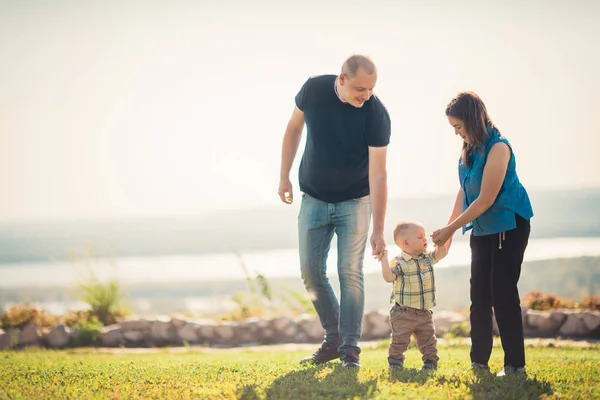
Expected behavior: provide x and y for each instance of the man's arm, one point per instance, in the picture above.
(289, 148)
(378, 189)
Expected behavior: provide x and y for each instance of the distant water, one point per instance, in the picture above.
(275, 263)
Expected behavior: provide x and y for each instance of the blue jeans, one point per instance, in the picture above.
(317, 222)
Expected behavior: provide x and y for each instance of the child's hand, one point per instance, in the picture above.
(384, 256)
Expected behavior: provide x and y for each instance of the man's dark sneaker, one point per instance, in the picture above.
(510, 370)
(429, 365)
(350, 359)
(324, 354)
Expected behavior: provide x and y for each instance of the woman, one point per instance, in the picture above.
(493, 203)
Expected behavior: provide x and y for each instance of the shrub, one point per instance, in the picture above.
(104, 298)
(590, 303)
(20, 315)
(261, 299)
(545, 302)
(87, 332)
(458, 330)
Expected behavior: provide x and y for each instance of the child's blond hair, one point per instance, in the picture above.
(404, 228)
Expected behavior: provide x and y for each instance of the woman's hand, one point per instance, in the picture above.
(441, 236)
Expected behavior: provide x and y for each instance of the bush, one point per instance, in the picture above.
(104, 298)
(590, 303)
(545, 302)
(76, 317)
(261, 299)
(21, 315)
(458, 331)
(87, 332)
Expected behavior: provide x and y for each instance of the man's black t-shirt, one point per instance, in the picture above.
(335, 163)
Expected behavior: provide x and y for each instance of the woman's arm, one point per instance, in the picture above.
(493, 177)
(458, 203)
(491, 182)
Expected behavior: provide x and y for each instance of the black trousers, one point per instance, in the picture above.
(495, 270)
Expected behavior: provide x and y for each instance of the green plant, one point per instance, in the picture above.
(75, 317)
(459, 330)
(104, 298)
(87, 332)
(260, 299)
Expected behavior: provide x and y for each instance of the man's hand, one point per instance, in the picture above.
(285, 191)
(378, 245)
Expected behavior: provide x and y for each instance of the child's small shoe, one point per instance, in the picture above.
(396, 366)
(429, 365)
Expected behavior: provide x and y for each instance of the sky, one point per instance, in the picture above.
(132, 109)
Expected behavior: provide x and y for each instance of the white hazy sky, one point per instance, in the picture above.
(115, 109)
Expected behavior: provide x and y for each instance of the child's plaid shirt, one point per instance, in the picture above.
(414, 285)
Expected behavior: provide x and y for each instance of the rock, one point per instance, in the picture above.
(162, 333)
(5, 342)
(59, 337)
(133, 337)
(188, 333)
(206, 332)
(266, 334)
(9, 339)
(129, 325)
(591, 320)
(309, 327)
(543, 323)
(574, 326)
(178, 323)
(247, 331)
(111, 336)
(29, 336)
(284, 329)
(225, 333)
(445, 320)
(376, 325)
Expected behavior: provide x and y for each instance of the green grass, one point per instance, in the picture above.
(565, 373)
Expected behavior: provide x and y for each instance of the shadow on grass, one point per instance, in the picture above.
(247, 392)
(409, 375)
(489, 387)
(326, 381)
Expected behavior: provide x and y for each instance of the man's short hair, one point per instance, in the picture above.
(356, 62)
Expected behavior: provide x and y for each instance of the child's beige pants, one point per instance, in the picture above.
(407, 321)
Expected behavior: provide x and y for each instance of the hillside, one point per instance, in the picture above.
(557, 214)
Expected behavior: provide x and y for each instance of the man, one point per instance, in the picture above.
(343, 179)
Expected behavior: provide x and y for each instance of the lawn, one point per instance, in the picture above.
(553, 372)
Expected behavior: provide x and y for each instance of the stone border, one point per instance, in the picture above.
(165, 331)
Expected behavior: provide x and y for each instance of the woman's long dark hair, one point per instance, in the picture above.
(470, 109)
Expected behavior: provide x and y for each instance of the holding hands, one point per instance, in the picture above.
(441, 236)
